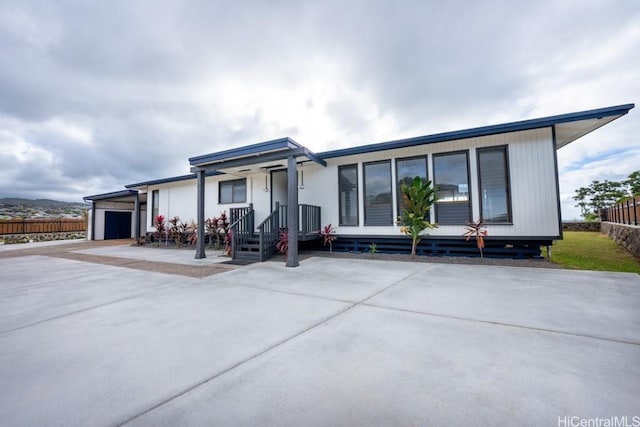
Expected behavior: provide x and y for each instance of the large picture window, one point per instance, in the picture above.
(378, 208)
(233, 191)
(348, 189)
(493, 174)
(451, 176)
(406, 171)
(155, 205)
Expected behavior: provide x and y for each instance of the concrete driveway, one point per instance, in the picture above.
(332, 342)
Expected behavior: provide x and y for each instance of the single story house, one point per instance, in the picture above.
(504, 175)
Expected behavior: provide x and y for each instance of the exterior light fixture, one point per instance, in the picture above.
(302, 179)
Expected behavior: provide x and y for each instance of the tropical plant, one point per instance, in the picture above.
(373, 249)
(228, 242)
(192, 233)
(177, 230)
(217, 229)
(161, 228)
(477, 230)
(328, 236)
(418, 197)
(283, 242)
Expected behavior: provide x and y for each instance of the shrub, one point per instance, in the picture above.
(328, 236)
(283, 242)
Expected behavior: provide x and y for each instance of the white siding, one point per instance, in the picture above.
(532, 177)
(534, 199)
(180, 199)
(102, 207)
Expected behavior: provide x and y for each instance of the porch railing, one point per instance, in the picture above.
(268, 232)
(237, 213)
(241, 229)
(308, 218)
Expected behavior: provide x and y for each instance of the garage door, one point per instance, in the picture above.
(117, 225)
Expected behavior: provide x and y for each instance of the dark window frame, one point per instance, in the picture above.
(155, 206)
(364, 191)
(233, 183)
(357, 216)
(424, 157)
(435, 180)
(507, 172)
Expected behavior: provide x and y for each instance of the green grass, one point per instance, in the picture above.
(584, 250)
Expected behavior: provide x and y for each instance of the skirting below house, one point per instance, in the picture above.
(494, 247)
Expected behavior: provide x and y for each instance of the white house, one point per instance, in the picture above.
(504, 175)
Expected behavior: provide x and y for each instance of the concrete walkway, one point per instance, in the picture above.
(332, 342)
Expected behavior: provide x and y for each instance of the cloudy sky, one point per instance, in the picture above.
(96, 95)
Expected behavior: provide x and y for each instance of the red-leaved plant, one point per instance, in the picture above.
(228, 241)
(328, 236)
(477, 230)
(283, 242)
(217, 230)
(161, 228)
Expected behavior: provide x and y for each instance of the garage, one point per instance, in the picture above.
(117, 225)
(118, 215)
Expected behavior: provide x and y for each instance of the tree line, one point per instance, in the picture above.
(601, 194)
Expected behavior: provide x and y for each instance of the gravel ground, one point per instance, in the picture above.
(535, 263)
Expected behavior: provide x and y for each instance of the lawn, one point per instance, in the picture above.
(582, 250)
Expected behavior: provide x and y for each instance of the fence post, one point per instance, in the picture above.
(635, 212)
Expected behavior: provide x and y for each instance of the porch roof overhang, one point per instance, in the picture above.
(120, 196)
(144, 184)
(264, 153)
(568, 128)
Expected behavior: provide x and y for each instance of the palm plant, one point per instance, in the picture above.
(418, 198)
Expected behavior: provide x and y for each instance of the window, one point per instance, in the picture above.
(406, 171)
(348, 189)
(378, 209)
(155, 205)
(493, 174)
(233, 191)
(451, 176)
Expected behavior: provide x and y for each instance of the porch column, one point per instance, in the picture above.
(136, 212)
(93, 220)
(292, 211)
(200, 242)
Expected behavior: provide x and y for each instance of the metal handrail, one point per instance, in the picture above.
(268, 232)
(241, 229)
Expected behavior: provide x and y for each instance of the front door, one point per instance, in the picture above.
(278, 188)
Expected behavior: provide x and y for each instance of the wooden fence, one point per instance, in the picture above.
(47, 225)
(627, 212)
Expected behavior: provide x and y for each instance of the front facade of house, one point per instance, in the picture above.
(504, 175)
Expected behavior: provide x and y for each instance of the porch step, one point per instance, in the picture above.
(246, 255)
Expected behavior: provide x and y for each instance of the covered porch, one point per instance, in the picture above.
(256, 237)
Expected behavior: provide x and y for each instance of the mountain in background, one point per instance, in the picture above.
(39, 203)
(15, 207)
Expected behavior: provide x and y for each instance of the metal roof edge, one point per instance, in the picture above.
(273, 144)
(481, 131)
(170, 179)
(111, 195)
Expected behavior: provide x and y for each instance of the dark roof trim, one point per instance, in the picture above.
(112, 195)
(261, 147)
(618, 110)
(169, 180)
(281, 148)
